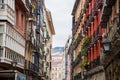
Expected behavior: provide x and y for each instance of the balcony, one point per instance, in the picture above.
(7, 13)
(84, 29)
(95, 63)
(78, 40)
(94, 66)
(86, 41)
(86, 4)
(99, 4)
(74, 30)
(89, 1)
(95, 10)
(80, 36)
(37, 30)
(110, 2)
(97, 34)
(7, 56)
(114, 31)
(91, 17)
(88, 23)
(78, 76)
(77, 23)
(77, 60)
(103, 24)
(31, 67)
(106, 12)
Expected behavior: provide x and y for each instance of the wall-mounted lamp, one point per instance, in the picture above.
(14, 63)
(106, 44)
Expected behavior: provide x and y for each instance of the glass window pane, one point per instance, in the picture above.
(1, 4)
(1, 28)
(1, 39)
(1, 1)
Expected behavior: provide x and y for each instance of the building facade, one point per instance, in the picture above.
(110, 19)
(34, 40)
(12, 41)
(67, 52)
(48, 34)
(58, 66)
(91, 23)
(22, 40)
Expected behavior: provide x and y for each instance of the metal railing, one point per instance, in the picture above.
(95, 63)
(10, 55)
(78, 76)
(114, 30)
(31, 66)
(95, 9)
(99, 3)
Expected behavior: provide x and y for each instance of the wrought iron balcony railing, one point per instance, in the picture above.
(99, 3)
(110, 2)
(115, 30)
(91, 17)
(31, 66)
(95, 10)
(77, 60)
(9, 56)
(95, 63)
(78, 76)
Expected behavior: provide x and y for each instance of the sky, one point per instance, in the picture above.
(62, 20)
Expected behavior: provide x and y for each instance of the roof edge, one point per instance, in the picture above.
(75, 7)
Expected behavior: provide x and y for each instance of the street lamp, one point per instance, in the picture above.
(106, 44)
(14, 63)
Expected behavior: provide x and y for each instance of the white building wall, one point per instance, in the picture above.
(7, 11)
(12, 43)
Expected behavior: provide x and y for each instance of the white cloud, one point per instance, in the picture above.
(61, 13)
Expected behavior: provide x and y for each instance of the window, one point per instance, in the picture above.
(52, 75)
(1, 1)
(60, 76)
(1, 51)
(1, 28)
(1, 4)
(1, 39)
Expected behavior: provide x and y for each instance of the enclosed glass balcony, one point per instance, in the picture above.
(7, 13)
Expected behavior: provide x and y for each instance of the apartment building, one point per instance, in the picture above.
(110, 20)
(58, 66)
(12, 41)
(48, 34)
(22, 39)
(67, 53)
(34, 41)
(91, 26)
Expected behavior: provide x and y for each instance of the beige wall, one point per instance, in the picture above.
(58, 66)
(99, 76)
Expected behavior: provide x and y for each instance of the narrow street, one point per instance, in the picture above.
(59, 40)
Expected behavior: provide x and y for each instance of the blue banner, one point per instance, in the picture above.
(21, 78)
